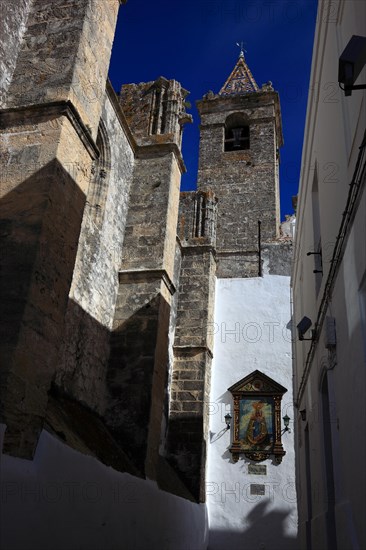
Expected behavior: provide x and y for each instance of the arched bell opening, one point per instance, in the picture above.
(237, 133)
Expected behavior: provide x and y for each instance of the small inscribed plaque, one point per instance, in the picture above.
(256, 489)
(257, 469)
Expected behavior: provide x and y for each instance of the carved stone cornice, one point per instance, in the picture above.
(145, 275)
(182, 351)
(159, 150)
(190, 247)
(28, 114)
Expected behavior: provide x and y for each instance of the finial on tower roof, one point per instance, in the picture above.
(241, 46)
(241, 80)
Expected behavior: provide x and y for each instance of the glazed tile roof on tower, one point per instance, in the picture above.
(240, 81)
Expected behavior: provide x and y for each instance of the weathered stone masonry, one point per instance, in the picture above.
(47, 131)
(138, 370)
(187, 429)
(93, 294)
(13, 18)
(244, 181)
(109, 274)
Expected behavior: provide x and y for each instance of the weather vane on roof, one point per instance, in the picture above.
(241, 46)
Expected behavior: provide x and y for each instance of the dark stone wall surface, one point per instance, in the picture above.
(52, 111)
(13, 17)
(35, 282)
(193, 342)
(277, 258)
(138, 370)
(171, 337)
(58, 59)
(187, 433)
(131, 366)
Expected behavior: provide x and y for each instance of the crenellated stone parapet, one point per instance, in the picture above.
(155, 111)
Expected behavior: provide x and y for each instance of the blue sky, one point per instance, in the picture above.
(194, 42)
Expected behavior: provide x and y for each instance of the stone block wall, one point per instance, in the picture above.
(139, 363)
(187, 430)
(244, 181)
(137, 371)
(58, 60)
(41, 209)
(13, 18)
(277, 257)
(195, 295)
(47, 132)
(139, 366)
(152, 217)
(93, 295)
(190, 384)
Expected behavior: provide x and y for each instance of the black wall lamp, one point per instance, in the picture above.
(303, 327)
(286, 420)
(351, 63)
(228, 420)
(321, 260)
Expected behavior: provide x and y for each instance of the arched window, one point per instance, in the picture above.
(237, 135)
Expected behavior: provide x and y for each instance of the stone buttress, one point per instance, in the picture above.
(193, 342)
(138, 369)
(52, 101)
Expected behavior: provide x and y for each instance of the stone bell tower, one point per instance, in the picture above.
(241, 134)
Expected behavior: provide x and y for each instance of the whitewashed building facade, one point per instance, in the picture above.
(329, 289)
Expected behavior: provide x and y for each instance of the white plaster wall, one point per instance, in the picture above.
(257, 312)
(65, 500)
(334, 131)
(346, 386)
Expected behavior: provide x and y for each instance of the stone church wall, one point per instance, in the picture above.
(93, 294)
(13, 17)
(109, 342)
(53, 107)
